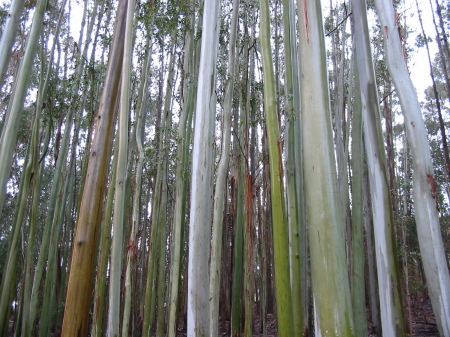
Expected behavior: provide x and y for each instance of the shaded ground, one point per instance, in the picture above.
(422, 321)
(423, 324)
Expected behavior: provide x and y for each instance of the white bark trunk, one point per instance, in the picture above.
(424, 190)
(388, 275)
(202, 166)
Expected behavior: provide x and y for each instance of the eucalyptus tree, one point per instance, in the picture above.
(163, 174)
(57, 199)
(141, 116)
(441, 46)
(294, 175)
(9, 132)
(100, 288)
(357, 237)
(279, 220)
(155, 287)
(424, 182)
(201, 176)
(190, 68)
(329, 276)
(114, 307)
(8, 36)
(387, 265)
(221, 179)
(82, 266)
(248, 159)
(9, 273)
(31, 170)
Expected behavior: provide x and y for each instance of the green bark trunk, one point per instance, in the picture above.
(279, 220)
(326, 228)
(114, 307)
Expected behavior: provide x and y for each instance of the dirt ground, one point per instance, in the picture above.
(423, 324)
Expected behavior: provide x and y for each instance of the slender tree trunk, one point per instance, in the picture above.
(436, 99)
(279, 220)
(443, 32)
(103, 256)
(82, 266)
(114, 307)
(9, 132)
(221, 180)
(8, 36)
(424, 182)
(191, 59)
(201, 189)
(442, 57)
(387, 264)
(294, 175)
(141, 113)
(357, 241)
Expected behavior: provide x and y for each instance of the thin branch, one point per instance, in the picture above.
(339, 24)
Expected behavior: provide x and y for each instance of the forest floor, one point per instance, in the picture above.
(423, 324)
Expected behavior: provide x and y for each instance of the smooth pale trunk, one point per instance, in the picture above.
(424, 190)
(221, 180)
(330, 281)
(114, 307)
(201, 189)
(8, 36)
(385, 249)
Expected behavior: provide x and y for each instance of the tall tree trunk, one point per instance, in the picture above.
(326, 228)
(387, 264)
(82, 266)
(191, 61)
(114, 307)
(279, 220)
(294, 176)
(221, 181)
(424, 182)
(202, 166)
(357, 241)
